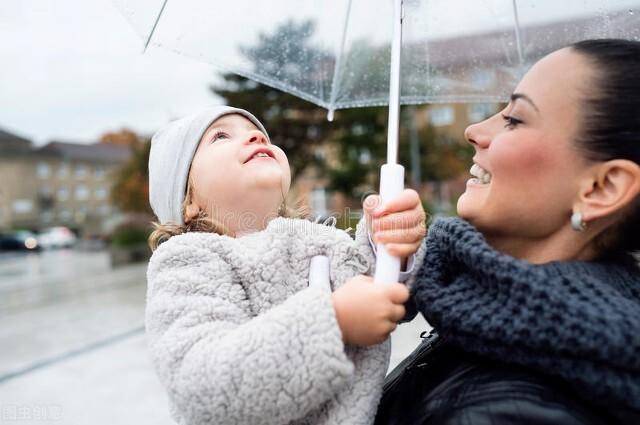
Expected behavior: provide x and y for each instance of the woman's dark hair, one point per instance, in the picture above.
(611, 124)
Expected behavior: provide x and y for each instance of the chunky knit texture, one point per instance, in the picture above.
(579, 321)
(238, 337)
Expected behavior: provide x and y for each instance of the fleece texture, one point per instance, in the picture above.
(238, 337)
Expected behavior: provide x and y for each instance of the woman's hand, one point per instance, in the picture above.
(399, 224)
(368, 313)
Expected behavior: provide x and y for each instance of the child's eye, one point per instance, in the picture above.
(219, 135)
(511, 122)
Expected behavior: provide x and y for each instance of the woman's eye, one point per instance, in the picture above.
(511, 122)
(219, 135)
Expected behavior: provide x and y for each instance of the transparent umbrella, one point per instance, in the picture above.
(347, 53)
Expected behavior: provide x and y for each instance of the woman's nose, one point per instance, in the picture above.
(479, 134)
(257, 136)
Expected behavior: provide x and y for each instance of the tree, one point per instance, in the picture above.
(357, 136)
(130, 192)
(441, 156)
(360, 145)
(297, 126)
(122, 137)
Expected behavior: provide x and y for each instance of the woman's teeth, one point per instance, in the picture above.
(480, 173)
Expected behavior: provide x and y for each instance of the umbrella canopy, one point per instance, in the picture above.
(347, 53)
(336, 53)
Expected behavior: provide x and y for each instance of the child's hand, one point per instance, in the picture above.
(367, 313)
(399, 223)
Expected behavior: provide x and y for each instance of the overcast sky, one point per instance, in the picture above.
(73, 69)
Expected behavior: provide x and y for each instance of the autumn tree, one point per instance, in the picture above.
(130, 192)
(123, 137)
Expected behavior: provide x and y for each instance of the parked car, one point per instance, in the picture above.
(56, 237)
(20, 240)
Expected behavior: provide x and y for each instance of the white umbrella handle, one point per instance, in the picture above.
(391, 185)
(391, 173)
(319, 273)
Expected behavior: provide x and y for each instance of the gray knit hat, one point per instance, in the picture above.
(172, 150)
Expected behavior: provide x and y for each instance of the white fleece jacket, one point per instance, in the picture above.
(238, 337)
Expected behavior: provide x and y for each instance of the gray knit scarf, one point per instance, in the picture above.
(579, 321)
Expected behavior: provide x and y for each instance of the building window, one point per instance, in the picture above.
(441, 115)
(82, 193)
(319, 201)
(103, 209)
(100, 172)
(81, 171)
(101, 192)
(65, 215)
(22, 206)
(480, 111)
(63, 194)
(43, 170)
(63, 171)
(47, 217)
(483, 78)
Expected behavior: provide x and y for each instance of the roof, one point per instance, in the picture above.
(538, 40)
(97, 152)
(12, 143)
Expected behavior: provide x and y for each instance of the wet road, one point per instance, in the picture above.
(72, 342)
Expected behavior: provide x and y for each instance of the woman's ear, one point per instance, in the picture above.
(614, 185)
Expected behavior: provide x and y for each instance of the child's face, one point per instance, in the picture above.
(236, 169)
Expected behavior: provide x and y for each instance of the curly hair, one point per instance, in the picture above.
(202, 222)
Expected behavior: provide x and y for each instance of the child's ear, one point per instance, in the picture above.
(190, 212)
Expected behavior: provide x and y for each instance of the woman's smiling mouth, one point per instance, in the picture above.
(481, 175)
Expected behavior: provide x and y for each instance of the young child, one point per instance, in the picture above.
(236, 334)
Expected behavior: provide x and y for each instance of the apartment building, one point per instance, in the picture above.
(57, 184)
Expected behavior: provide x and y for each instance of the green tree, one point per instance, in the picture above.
(359, 141)
(297, 126)
(357, 136)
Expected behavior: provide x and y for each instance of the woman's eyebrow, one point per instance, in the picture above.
(526, 98)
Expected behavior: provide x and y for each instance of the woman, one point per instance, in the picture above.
(533, 292)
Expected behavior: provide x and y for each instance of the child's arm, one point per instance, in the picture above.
(222, 366)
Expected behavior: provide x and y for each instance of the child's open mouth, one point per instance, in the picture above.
(261, 153)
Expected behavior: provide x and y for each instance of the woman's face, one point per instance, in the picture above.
(529, 155)
(236, 168)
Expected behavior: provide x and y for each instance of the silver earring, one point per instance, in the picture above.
(577, 223)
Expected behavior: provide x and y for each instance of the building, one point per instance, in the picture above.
(17, 186)
(58, 184)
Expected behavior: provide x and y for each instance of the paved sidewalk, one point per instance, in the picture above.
(82, 359)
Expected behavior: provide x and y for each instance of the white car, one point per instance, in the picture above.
(56, 237)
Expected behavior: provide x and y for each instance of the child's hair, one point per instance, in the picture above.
(203, 223)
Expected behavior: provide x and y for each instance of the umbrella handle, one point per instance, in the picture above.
(391, 185)
(319, 273)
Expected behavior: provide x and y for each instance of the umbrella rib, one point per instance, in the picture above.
(517, 29)
(336, 69)
(155, 24)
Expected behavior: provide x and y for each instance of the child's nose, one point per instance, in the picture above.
(257, 136)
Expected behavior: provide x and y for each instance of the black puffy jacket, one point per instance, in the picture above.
(441, 385)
